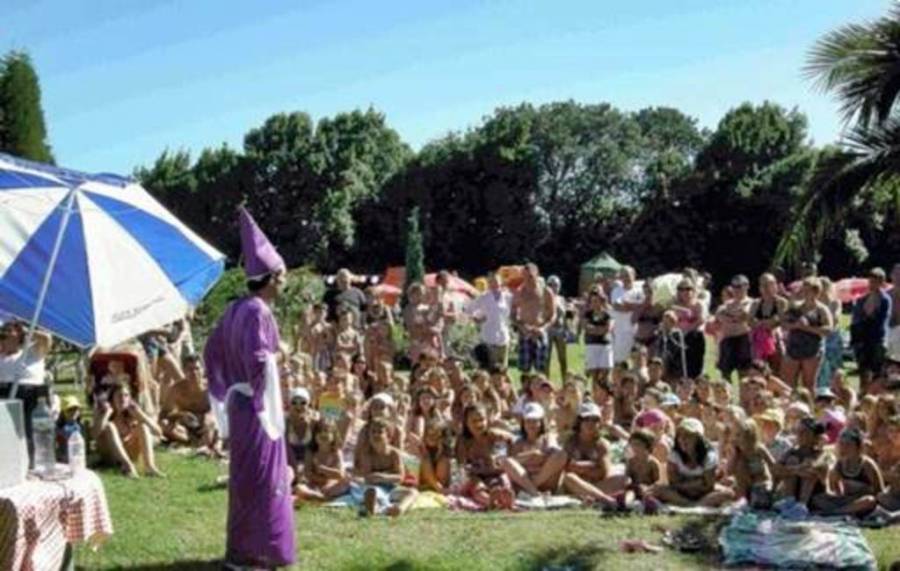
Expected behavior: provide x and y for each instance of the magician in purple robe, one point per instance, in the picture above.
(245, 393)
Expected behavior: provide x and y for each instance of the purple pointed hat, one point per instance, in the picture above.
(260, 256)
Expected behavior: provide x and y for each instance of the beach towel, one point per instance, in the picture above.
(525, 502)
(766, 539)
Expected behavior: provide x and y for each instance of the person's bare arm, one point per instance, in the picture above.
(151, 424)
(395, 476)
(549, 312)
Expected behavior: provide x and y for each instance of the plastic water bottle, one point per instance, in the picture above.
(44, 437)
(456, 476)
(75, 448)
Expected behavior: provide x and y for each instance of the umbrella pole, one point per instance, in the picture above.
(67, 213)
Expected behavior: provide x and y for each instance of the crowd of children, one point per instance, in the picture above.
(648, 433)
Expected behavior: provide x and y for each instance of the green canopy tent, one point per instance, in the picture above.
(602, 265)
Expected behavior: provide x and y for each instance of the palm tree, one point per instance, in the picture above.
(860, 64)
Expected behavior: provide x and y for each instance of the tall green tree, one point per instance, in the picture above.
(860, 64)
(415, 250)
(22, 129)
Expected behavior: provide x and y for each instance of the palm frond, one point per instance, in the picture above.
(860, 63)
(870, 155)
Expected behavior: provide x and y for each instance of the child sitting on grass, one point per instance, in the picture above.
(751, 466)
(588, 472)
(642, 469)
(324, 473)
(479, 449)
(535, 463)
(435, 456)
(801, 473)
(854, 481)
(381, 469)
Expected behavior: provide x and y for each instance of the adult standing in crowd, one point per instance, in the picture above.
(559, 330)
(345, 296)
(491, 310)
(833, 356)
(766, 319)
(25, 366)
(893, 352)
(869, 329)
(626, 297)
(691, 314)
(533, 309)
(241, 363)
(735, 347)
(807, 323)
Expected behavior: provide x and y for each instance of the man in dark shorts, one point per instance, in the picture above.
(345, 296)
(735, 348)
(869, 328)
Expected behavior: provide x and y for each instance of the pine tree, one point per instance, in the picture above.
(22, 129)
(415, 251)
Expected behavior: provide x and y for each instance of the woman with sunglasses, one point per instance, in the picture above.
(692, 315)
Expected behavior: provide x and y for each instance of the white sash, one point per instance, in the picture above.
(271, 417)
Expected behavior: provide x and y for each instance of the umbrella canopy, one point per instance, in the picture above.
(125, 265)
(396, 276)
(387, 293)
(849, 290)
(604, 265)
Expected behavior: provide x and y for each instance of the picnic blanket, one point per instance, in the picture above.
(767, 539)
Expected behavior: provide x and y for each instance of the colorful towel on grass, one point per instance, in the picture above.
(764, 539)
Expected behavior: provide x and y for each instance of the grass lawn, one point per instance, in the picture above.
(179, 524)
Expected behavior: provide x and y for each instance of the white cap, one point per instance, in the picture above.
(385, 398)
(300, 393)
(693, 425)
(589, 410)
(533, 411)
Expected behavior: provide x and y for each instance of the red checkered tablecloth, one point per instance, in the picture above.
(38, 518)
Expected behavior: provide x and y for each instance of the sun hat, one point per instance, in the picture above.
(800, 407)
(670, 399)
(589, 410)
(533, 411)
(772, 415)
(691, 425)
(69, 402)
(300, 393)
(825, 393)
(384, 398)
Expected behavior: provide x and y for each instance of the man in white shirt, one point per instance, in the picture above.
(626, 298)
(492, 310)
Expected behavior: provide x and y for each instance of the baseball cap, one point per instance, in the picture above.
(670, 399)
(650, 417)
(772, 415)
(740, 280)
(589, 410)
(533, 411)
(691, 425)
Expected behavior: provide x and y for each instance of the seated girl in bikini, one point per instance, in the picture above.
(801, 473)
(435, 456)
(588, 469)
(535, 463)
(125, 433)
(854, 481)
(325, 476)
(691, 470)
(751, 466)
(479, 449)
(642, 469)
(380, 466)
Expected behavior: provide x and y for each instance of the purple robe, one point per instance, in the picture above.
(240, 365)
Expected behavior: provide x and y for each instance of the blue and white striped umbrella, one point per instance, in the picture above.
(125, 265)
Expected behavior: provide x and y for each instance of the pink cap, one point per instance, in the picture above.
(260, 256)
(834, 420)
(650, 417)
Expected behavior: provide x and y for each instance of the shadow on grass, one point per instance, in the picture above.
(567, 558)
(209, 565)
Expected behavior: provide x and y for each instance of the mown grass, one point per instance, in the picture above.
(179, 524)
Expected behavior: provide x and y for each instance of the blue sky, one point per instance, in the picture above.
(123, 80)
